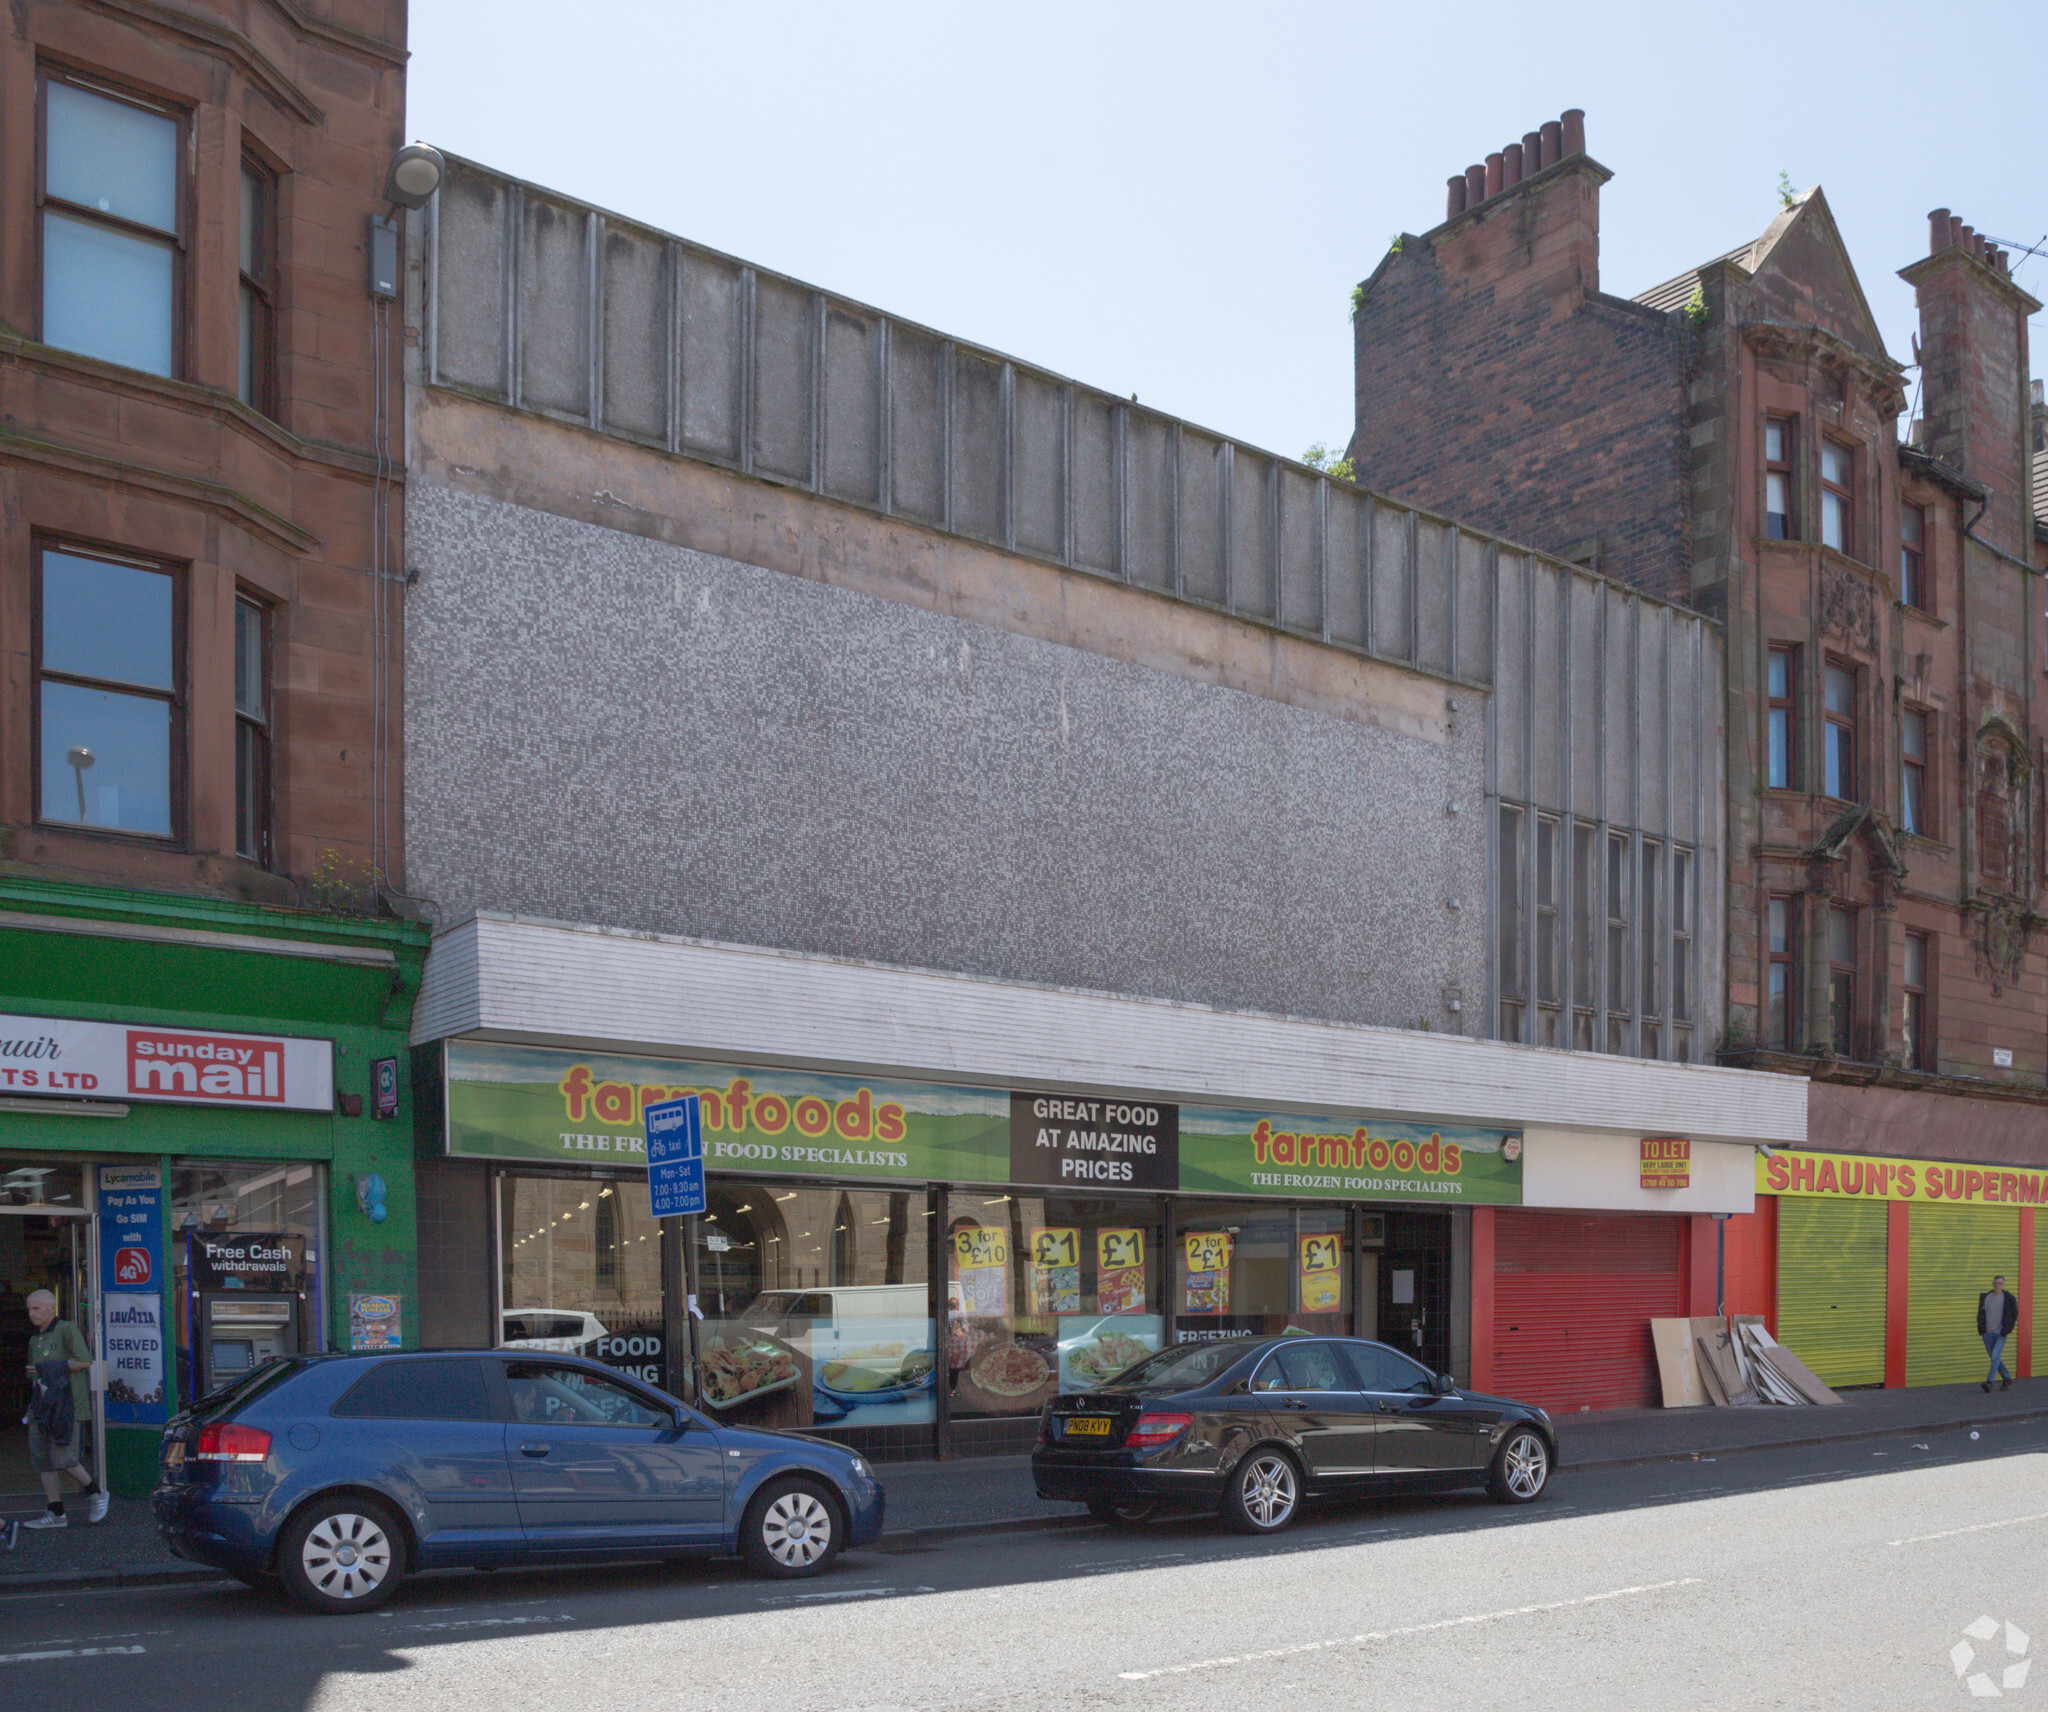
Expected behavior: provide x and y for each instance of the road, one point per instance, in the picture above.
(1834, 1576)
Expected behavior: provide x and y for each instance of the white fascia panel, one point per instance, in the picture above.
(1590, 1170)
(594, 988)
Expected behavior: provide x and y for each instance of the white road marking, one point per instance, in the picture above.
(68, 1652)
(848, 1593)
(486, 1622)
(1979, 1528)
(1411, 1629)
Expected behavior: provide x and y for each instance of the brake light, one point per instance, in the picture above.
(1158, 1429)
(230, 1441)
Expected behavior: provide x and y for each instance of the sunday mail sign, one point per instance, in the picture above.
(173, 1066)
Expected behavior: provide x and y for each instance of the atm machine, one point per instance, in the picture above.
(241, 1331)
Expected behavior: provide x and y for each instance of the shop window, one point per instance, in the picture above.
(110, 225)
(1781, 764)
(1549, 932)
(1913, 585)
(817, 1305)
(1585, 943)
(248, 1267)
(1047, 1294)
(1837, 496)
(107, 694)
(1778, 487)
(1917, 1042)
(580, 1271)
(255, 340)
(1508, 920)
(1650, 940)
(252, 731)
(1252, 1269)
(1913, 801)
(1617, 942)
(1681, 955)
(1781, 1015)
(1842, 981)
(1839, 709)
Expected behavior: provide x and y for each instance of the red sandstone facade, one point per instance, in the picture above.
(234, 460)
(1733, 439)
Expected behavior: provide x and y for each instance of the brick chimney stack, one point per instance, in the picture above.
(1528, 217)
(1973, 354)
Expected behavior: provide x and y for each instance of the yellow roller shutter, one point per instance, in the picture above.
(2030, 1321)
(1831, 1271)
(1954, 1253)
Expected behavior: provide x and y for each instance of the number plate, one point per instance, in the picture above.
(176, 1453)
(1087, 1426)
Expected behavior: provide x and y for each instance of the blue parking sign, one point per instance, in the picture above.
(675, 1156)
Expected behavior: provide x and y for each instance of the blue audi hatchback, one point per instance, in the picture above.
(339, 1475)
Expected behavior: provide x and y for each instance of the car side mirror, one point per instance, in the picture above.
(1445, 1384)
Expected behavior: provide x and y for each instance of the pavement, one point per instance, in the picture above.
(932, 1501)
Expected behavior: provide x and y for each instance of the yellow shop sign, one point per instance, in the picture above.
(1844, 1174)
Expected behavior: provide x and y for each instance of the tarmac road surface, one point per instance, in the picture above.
(1852, 1575)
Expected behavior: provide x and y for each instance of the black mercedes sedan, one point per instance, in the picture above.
(1252, 1426)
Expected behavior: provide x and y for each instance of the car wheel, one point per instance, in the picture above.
(1120, 1515)
(1520, 1469)
(1264, 1493)
(791, 1529)
(343, 1553)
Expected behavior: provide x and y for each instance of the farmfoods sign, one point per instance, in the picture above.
(540, 1103)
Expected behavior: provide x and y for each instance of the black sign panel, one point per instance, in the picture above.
(246, 1260)
(1094, 1141)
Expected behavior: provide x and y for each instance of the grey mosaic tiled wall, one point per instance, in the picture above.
(609, 729)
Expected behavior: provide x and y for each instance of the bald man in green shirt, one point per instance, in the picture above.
(59, 1340)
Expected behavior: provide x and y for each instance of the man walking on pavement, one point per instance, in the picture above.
(1997, 1314)
(58, 1361)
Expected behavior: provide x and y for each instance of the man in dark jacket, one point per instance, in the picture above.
(1997, 1314)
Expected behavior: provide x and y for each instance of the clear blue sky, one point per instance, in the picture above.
(1175, 200)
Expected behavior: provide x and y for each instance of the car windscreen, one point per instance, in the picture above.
(1181, 1368)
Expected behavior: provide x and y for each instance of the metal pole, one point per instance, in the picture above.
(1721, 1265)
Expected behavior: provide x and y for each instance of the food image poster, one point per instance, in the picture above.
(1120, 1271)
(1322, 1275)
(750, 1378)
(981, 1271)
(1053, 1278)
(1094, 1348)
(873, 1373)
(374, 1322)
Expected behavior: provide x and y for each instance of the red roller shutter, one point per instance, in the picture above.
(1573, 1297)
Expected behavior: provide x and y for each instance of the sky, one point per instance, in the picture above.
(1176, 200)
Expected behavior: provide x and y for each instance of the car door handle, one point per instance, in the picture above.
(1292, 1403)
(533, 1450)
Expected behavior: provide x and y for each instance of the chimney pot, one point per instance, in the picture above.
(1496, 175)
(1968, 238)
(1532, 153)
(1937, 231)
(1454, 204)
(1574, 130)
(1475, 185)
(1553, 149)
(1955, 230)
(1511, 165)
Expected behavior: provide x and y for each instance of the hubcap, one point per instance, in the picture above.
(1269, 1491)
(346, 1556)
(796, 1529)
(1527, 1465)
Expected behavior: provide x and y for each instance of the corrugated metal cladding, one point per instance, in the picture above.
(1573, 1297)
(2030, 1312)
(1954, 1254)
(1831, 1286)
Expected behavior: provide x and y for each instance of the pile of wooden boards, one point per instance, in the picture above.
(1731, 1363)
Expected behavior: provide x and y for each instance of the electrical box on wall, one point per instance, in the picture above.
(383, 256)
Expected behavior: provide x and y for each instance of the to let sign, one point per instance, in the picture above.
(675, 1156)
(1667, 1162)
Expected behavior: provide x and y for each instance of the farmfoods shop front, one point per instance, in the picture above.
(934, 1201)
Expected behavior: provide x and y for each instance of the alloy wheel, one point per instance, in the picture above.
(346, 1555)
(796, 1528)
(1269, 1491)
(1526, 1465)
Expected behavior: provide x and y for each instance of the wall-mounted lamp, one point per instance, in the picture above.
(416, 173)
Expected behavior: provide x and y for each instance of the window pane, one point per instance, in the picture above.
(1781, 748)
(1911, 811)
(582, 1251)
(1777, 1026)
(106, 621)
(1774, 442)
(1916, 960)
(1834, 464)
(1509, 913)
(1781, 926)
(1653, 998)
(252, 205)
(1778, 504)
(249, 659)
(1681, 891)
(108, 155)
(252, 771)
(1842, 936)
(1841, 1000)
(106, 759)
(249, 351)
(1781, 675)
(106, 294)
(1585, 886)
(1832, 512)
(419, 1391)
(1841, 770)
(1911, 528)
(1913, 735)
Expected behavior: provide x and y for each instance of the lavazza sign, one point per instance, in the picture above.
(181, 1066)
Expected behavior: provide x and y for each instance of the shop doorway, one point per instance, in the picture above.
(45, 1242)
(1414, 1287)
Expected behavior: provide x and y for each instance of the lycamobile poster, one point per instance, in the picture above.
(1269, 1153)
(525, 1102)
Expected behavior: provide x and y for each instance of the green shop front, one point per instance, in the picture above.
(206, 1146)
(916, 1266)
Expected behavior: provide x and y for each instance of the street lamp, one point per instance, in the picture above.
(79, 758)
(415, 175)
